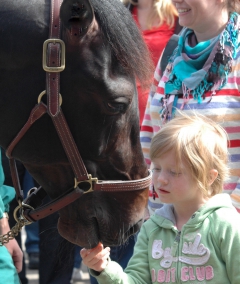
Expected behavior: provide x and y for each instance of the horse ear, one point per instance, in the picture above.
(76, 16)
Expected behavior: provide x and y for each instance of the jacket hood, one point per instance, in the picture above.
(167, 217)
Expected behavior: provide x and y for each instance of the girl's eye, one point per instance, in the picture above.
(156, 170)
(174, 173)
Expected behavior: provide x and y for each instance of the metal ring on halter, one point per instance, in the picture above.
(18, 208)
(44, 92)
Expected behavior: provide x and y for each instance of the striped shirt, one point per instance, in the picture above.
(224, 108)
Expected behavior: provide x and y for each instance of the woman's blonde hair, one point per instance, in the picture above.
(233, 6)
(201, 143)
(163, 11)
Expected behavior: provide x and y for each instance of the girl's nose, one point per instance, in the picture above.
(162, 178)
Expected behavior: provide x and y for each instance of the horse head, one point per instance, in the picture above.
(105, 53)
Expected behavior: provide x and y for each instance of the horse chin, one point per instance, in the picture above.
(90, 238)
(69, 232)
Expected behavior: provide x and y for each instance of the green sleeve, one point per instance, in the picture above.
(7, 193)
(228, 236)
(137, 270)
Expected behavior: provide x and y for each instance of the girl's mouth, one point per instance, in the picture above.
(181, 11)
(163, 191)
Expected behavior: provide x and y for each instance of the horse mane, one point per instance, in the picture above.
(125, 38)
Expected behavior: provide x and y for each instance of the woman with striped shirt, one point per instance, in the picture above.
(203, 74)
(158, 21)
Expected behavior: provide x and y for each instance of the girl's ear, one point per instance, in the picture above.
(212, 176)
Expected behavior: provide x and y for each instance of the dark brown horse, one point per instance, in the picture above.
(104, 55)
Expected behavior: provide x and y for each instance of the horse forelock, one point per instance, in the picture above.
(124, 37)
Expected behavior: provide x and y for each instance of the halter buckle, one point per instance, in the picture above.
(53, 68)
(87, 184)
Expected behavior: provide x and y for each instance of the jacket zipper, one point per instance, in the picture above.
(174, 252)
(175, 244)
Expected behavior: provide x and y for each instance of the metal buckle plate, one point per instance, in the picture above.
(90, 181)
(58, 68)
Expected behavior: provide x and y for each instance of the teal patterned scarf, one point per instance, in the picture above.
(204, 67)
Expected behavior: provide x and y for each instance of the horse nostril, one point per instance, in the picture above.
(76, 9)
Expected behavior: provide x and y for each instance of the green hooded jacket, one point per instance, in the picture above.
(206, 251)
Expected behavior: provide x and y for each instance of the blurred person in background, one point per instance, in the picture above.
(11, 255)
(158, 21)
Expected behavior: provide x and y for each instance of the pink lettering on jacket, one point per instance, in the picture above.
(209, 272)
(202, 273)
(187, 274)
(194, 258)
(153, 274)
(164, 276)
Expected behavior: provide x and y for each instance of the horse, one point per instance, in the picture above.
(103, 55)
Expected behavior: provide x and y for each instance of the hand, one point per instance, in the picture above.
(16, 253)
(96, 258)
(12, 246)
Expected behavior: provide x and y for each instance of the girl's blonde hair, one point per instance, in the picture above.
(163, 11)
(201, 143)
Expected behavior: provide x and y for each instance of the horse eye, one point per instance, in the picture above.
(115, 108)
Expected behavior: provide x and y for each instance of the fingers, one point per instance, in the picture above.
(16, 253)
(18, 264)
(96, 258)
(18, 260)
(91, 252)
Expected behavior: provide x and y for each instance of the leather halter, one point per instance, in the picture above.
(53, 64)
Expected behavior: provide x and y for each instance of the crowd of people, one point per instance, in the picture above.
(190, 137)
